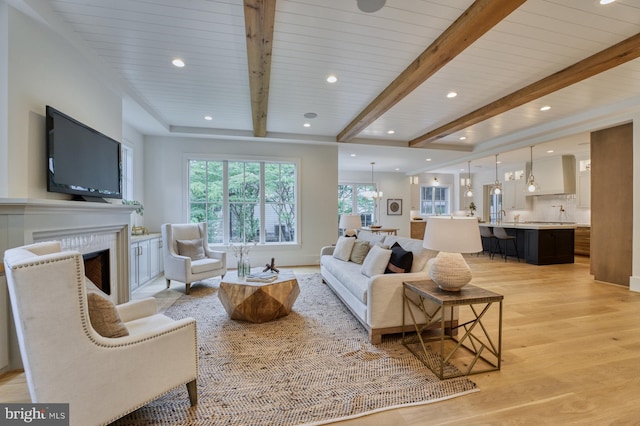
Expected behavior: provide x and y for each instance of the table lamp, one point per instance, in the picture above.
(350, 222)
(451, 237)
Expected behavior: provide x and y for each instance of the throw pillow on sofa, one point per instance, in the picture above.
(343, 248)
(376, 261)
(400, 260)
(359, 252)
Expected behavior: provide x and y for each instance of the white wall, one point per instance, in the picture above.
(165, 183)
(45, 70)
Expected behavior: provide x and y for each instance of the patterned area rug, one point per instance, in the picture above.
(310, 367)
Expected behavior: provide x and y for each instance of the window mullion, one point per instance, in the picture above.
(226, 229)
(263, 231)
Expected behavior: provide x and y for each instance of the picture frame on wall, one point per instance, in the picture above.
(394, 207)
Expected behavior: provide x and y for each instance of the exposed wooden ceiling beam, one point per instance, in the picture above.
(479, 18)
(259, 17)
(611, 57)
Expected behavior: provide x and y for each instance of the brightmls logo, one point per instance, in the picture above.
(34, 414)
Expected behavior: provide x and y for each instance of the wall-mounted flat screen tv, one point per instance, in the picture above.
(80, 160)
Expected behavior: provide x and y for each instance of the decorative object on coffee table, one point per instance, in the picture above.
(451, 236)
(241, 252)
(271, 267)
(255, 301)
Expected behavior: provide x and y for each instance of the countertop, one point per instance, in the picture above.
(535, 225)
(149, 236)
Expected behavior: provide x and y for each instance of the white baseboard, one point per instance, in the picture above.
(634, 284)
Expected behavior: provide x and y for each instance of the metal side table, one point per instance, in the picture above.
(483, 354)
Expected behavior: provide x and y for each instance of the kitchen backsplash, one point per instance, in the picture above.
(546, 208)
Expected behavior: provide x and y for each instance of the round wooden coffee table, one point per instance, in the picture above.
(256, 301)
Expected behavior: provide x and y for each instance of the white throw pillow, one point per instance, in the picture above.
(376, 261)
(343, 248)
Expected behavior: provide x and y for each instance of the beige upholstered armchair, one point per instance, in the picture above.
(187, 256)
(62, 321)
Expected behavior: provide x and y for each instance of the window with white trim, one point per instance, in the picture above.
(244, 201)
(352, 200)
(127, 172)
(434, 200)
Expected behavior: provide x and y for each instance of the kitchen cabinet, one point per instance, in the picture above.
(584, 189)
(145, 260)
(549, 246)
(514, 196)
(417, 229)
(583, 241)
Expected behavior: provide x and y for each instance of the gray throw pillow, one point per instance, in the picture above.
(191, 248)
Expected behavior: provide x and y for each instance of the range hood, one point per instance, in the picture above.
(555, 175)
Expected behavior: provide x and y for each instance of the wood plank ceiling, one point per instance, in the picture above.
(256, 67)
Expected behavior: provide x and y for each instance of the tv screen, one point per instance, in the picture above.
(80, 160)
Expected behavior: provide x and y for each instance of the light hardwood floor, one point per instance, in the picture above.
(571, 354)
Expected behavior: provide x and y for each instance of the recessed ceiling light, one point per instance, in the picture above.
(452, 95)
(498, 162)
(390, 132)
(307, 125)
(428, 159)
(332, 79)
(463, 138)
(550, 151)
(397, 169)
(606, 1)
(208, 117)
(178, 62)
(545, 108)
(310, 115)
(352, 155)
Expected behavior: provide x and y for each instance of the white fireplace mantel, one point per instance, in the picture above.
(79, 225)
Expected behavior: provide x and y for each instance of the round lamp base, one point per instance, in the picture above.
(449, 271)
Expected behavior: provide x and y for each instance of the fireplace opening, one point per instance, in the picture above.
(96, 268)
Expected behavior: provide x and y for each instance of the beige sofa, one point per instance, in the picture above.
(375, 301)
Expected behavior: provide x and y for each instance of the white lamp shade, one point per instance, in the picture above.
(350, 221)
(453, 235)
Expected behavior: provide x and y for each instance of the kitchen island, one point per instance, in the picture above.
(539, 243)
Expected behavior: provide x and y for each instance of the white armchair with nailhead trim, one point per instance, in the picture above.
(67, 361)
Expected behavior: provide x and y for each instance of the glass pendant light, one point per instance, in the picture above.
(496, 189)
(469, 192)
(374, 193)
(532, 186)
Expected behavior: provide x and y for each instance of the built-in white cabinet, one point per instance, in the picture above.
(584, 189)
(145, 260)
(514, 195)
(156, 265)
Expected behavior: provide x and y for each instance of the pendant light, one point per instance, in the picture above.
(532, 186)
(469, 192)
(496, 189)
(374, 193)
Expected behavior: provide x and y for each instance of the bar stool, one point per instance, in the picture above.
(486, 234)
(501, 235)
